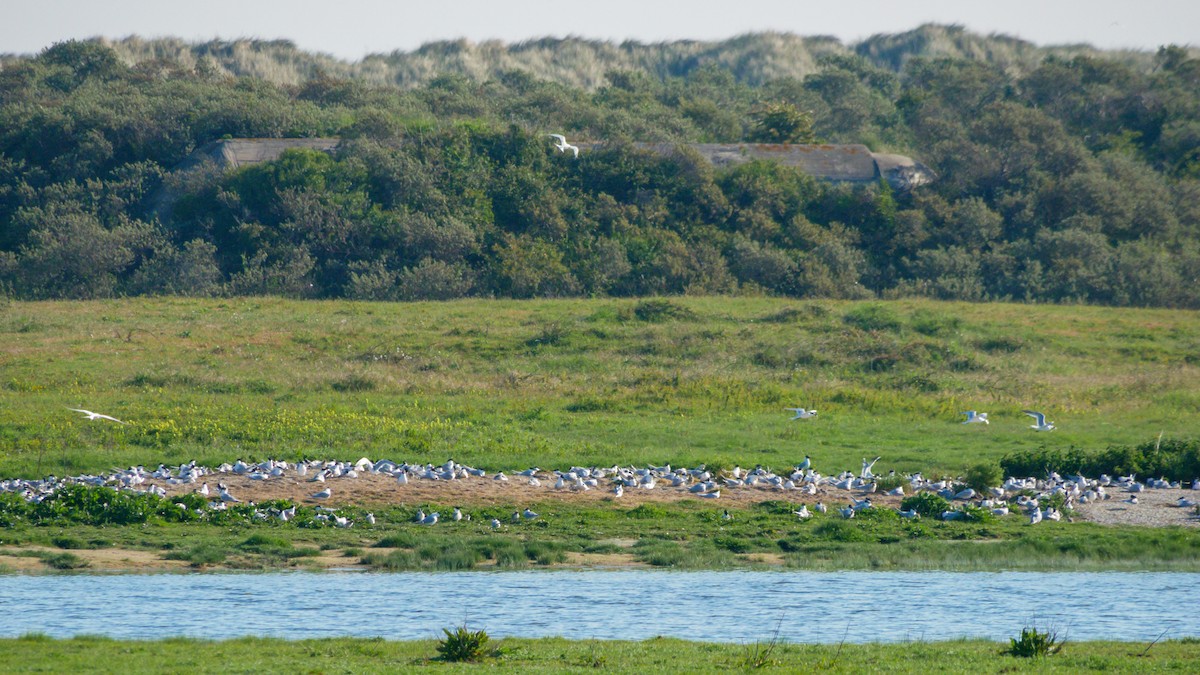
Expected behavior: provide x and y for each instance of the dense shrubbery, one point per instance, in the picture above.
(87, 505)
(1172, 459)
(1069, 179)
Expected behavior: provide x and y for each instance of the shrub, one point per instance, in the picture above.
(462, 645)
(1034, 643)
(983, 476)
(1172, 459)
(926, 503)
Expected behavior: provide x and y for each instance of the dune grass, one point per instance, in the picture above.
(38, 653)
(506, 384)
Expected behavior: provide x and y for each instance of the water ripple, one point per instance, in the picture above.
(739, 606)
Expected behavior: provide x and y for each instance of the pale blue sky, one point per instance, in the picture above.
(350, 29)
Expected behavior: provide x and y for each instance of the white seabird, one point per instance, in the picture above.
(563, 145)
(97, 416)
(1042, 424)
(975, 417)
(802, 413)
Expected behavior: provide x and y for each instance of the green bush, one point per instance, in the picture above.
(1034, 643)
(983, 476)
(462, 645)
(1173, 459)
(926, 503)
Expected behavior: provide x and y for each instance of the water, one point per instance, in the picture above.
(739, 606)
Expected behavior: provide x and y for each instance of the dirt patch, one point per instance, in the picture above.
(774, 559)
(98, 560)
(592, 560)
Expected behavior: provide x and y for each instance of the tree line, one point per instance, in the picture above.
(1076, 179)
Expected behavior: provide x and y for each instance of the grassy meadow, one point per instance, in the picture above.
(38, 653)
(509, 384)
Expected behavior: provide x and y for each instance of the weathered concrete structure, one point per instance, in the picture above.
(837, 163)
(234, 153)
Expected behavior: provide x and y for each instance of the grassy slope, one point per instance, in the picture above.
(507, 384)
(551, 655)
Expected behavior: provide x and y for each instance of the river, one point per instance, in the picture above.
(737, 606)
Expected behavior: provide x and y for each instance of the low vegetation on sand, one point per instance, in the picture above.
(686, 534)
(38, 653)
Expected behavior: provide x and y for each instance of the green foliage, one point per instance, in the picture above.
(1035, 644)
(1173, 459)
(982, 476)
(201, 555)
(928, 504)
(544, 656)
(654, 311)
(64, 561)
(463, 645)
(442, 188)
(872, 317)
(781, 122)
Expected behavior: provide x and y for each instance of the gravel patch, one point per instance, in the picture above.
(1155, 508)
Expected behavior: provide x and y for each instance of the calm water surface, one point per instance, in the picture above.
(737, 606)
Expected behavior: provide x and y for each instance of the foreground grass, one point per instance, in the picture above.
(684, 535)
(509, 384)
(36, 653)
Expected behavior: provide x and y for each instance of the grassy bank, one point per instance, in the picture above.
(35, 653)
(686, 535)
(506, 384)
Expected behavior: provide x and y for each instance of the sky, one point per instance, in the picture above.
(351, 29)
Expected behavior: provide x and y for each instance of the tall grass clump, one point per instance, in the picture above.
(1035, 644)
(872, 317)
(462, 645)
(654, 311)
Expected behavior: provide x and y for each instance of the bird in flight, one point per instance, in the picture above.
(97, 416)
(1042, 424)
(802, 414)
(974, 417)
(563, 145)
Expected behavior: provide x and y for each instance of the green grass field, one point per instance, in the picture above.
(509, 384)
(36, 653)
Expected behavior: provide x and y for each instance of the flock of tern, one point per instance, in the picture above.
(1029, 495)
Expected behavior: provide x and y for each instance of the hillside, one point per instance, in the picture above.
(752, 59)
(1065, 174)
